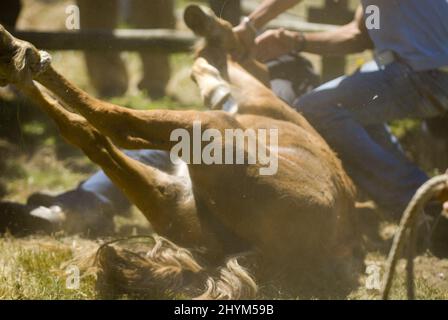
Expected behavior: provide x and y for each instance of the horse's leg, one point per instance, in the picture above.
(255, 98)
(242, 93)
(130, 129)
(155, 193)
(214, 90)
(165, 200)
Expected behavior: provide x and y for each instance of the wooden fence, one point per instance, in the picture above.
(174, 41)
(169, 41)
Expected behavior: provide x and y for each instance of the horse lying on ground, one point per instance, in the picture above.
(300, 216)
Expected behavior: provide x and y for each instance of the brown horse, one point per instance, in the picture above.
(301, 215)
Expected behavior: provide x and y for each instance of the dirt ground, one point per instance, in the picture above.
(34, 158)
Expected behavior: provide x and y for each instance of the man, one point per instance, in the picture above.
(408, 80)
(107, 70)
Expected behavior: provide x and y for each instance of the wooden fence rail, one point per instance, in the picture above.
(169, 41)
(165, 40)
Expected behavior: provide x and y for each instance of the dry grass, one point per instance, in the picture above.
(33, 268)
(30, 269)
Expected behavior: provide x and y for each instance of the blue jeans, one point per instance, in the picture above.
(109, 194)
(350, 113)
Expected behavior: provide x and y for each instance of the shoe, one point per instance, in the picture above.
(17, 220)
(82, 210)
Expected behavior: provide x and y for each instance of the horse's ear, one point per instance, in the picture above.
(197, 19)
(6, 39)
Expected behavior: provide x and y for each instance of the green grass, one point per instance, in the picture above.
(31, 269)
(142, 102)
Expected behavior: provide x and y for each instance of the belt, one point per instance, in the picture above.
(387, 57)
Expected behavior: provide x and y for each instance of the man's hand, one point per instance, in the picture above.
(265, 12)
(246, 38)
(275, 43)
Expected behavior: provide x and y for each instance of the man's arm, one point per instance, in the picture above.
(265, 12)
(350, 38)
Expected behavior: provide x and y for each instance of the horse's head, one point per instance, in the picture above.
(219, 41)
(204, 23)
(217, 34)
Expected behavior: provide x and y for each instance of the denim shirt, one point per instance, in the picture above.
(416, 30)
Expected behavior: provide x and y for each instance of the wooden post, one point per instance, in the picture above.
(335, 12)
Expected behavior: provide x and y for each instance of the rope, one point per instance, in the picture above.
(45, 62)
(409, 222)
